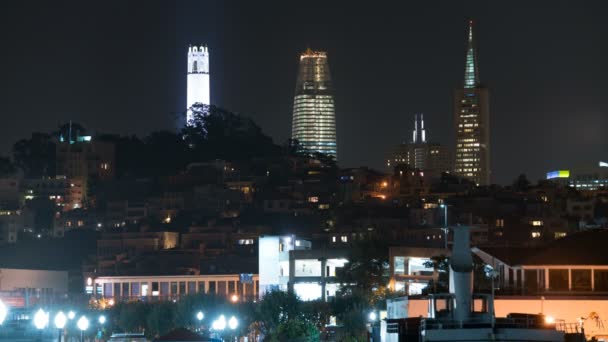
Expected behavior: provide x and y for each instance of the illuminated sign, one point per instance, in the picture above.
(558, 174)
(603, 164)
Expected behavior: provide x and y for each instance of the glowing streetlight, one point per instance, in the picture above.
(3, 312)
(60, 320)
(41, 319)
(234, 298)
(373, 316)
(549, 320)
(200, 316)
(232, 323)
(71, 315)
(83, 324)
(102, 319)
(219, 324)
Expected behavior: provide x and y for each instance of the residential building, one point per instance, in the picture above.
(314, 117)
(290, 263)
(472, 121)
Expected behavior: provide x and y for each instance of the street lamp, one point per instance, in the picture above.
(60, 321)
(41, 319)
(373, 316)
(232, 323)
(102, 319)
(3, 312)
(234, 298)
(71, 314)
(200, 316)
(219, 324)
(83, 324)
(445, 223)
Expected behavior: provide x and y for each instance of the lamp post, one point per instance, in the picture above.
(83, 324)
(232, 324)
(3, 312)
(199, 317)
(60, 321)
(71, 315)
(41, 320)
(445, 224)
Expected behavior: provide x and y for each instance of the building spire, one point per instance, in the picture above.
(471, 71)
(419, 134)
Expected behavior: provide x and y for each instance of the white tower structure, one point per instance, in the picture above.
(198, 78)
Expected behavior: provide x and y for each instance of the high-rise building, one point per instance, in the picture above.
(419, 153)
(472, 121)
(198, 78)
(314, 118)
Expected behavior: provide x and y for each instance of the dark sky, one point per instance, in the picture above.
(119, 66)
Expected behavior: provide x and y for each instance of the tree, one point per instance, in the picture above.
(441, 273)
(35, 156)
(277, 307)
(521, 183)
(295, 330)
(160, 320)
(367, 268)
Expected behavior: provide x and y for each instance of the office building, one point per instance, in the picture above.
(472, 121)
(314, 118)
(584, 178)
(419, 153)
(198, 79)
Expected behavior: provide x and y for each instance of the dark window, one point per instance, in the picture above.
(201, 287)
(191, 287)
(221, 287)
(558, 280)
(581, 280)
(173, 287)
(135, 289)
(231, 287)
(182, 287)
(600, 280)
(212, 288)
(531, 281)
(164, 288)
(155, 286)
(116, 292)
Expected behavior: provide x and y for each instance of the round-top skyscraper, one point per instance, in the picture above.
(198, 78)
(314, 118)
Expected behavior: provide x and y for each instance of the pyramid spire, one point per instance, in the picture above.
(471, 72)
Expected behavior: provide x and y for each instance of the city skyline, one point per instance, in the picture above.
(376, 90)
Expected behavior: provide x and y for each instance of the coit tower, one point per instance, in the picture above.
(198, 78)
(314, 119)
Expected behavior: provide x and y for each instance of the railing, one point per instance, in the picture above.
(508, 322)
(569, 328)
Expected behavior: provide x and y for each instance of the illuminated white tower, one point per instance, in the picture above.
(198, 78)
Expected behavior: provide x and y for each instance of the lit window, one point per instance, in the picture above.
(333, 239)
(536, 223)
(559, 235)
(344, 238)
(535, 235)
(500, 223)
(313, 199)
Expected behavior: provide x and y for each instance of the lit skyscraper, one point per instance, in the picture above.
(472, 121)
(430, 157)
(198, 78)
(314, 119)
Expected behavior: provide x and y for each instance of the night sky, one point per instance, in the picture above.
(119, 66)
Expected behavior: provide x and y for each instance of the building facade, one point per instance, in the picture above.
(237, 287)
(198, 79)
(419, 153)
(472, 121)
(314, 118)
